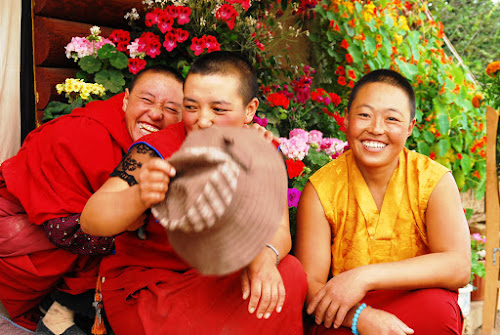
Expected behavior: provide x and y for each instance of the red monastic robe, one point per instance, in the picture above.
(60, 165)
(149, 289)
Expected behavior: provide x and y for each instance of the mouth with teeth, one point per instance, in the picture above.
(374, 145)
(147, 128)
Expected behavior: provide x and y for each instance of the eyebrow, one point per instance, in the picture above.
(390, 109)
(217, 102)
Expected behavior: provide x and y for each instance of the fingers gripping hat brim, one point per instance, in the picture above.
(226, 201)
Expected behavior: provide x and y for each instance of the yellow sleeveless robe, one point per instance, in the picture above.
(363, 235)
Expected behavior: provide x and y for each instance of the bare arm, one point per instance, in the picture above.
(117, 207)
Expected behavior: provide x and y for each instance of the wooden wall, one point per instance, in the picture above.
(55, 22)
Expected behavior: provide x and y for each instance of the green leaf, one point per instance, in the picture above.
(358, 7)
(111, 79)
(423, 148)
(408, 70)
(119, 60)
(443, 122)
(429, 137)
(457, 143)
(329, 15)
(90, 64)
(356, 53)
(442, 147)
(466, 164)
(106, 51)
(314, 37)
(370, 44)
(331, 35)
(459, 178)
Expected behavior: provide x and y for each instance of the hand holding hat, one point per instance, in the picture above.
(226, 201)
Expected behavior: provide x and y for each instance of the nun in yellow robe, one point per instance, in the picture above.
(381, 231)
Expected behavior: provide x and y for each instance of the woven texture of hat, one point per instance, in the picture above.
(226, 200)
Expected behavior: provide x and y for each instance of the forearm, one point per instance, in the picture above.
(67, 234)
(110, 213)
(450, 270)
(282, 240)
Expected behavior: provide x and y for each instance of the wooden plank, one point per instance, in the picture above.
(52, 35)
(99, 12)
(46, 81)
(492, 225)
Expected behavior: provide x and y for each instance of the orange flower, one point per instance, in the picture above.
(477, 100)
(476, 174)
(493, 68)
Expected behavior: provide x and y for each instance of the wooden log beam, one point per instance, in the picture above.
(99, 12)
(52, 35)
(46, 80)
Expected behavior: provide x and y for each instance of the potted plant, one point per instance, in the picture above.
(478, 272)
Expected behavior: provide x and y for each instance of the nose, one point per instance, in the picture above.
(156, 113)
(205, 118)
(377, 125)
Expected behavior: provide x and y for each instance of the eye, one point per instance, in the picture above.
(364, 114)
(393, 119)
(171, 110)
(146, 100)
(189, 108)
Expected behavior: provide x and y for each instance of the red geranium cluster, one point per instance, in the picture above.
(278, 99)
(321, 95)
(228, 14)
(136, 65)
(294, 168)
(208, 42)
(121, 38)
(302, 88)
(150, 44)
(164, 19)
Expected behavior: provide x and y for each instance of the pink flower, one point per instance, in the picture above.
(198, 45)
(150, 44)
(260, 45)
(133, 48)
(170, 42)
(332, 146)
(299, 132)
(262, 122)
(295, 148)
(211, 43)
(293, 197)
(183, 15)
(136, 64)
(315, 136)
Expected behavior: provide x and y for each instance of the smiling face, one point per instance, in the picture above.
(215, 100)
(154, 103)
(378, 125)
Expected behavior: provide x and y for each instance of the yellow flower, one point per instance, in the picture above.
(493, 68)
(403, 23)
(378, 38)
(398, 38)
(349, 6)
(60, 88)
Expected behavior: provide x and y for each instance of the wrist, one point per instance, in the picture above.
(274, 252)
(354, 324)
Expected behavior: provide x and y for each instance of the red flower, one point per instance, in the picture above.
(171, 11)
(152, 17)
(341, 81)
(340, 121)
(170, 41)
(244, 3)
(432, 156)
(181, 35)
(150, 44)
(183, 15)
(352, 74)
(294, 168)
(344, 44)
(348, 58)
(476, 174)
(351, 84)
(211, 43)
(340, 70)
(198, 45)
(260, 45)
(459, 156)
(165, 23)
(335, 98)
(278, 99)
(228, 14)
(136, 64)
(121, 38)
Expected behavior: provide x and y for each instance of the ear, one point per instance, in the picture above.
(125, 99)
(346, 119)
(251, 109)
(410, 127)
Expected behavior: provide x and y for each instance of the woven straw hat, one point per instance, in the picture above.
(226, 200)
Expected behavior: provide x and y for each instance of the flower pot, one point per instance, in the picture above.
(478, 293)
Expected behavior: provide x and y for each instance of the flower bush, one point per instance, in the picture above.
(478, 253)
(305, 153)
(351, 38)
